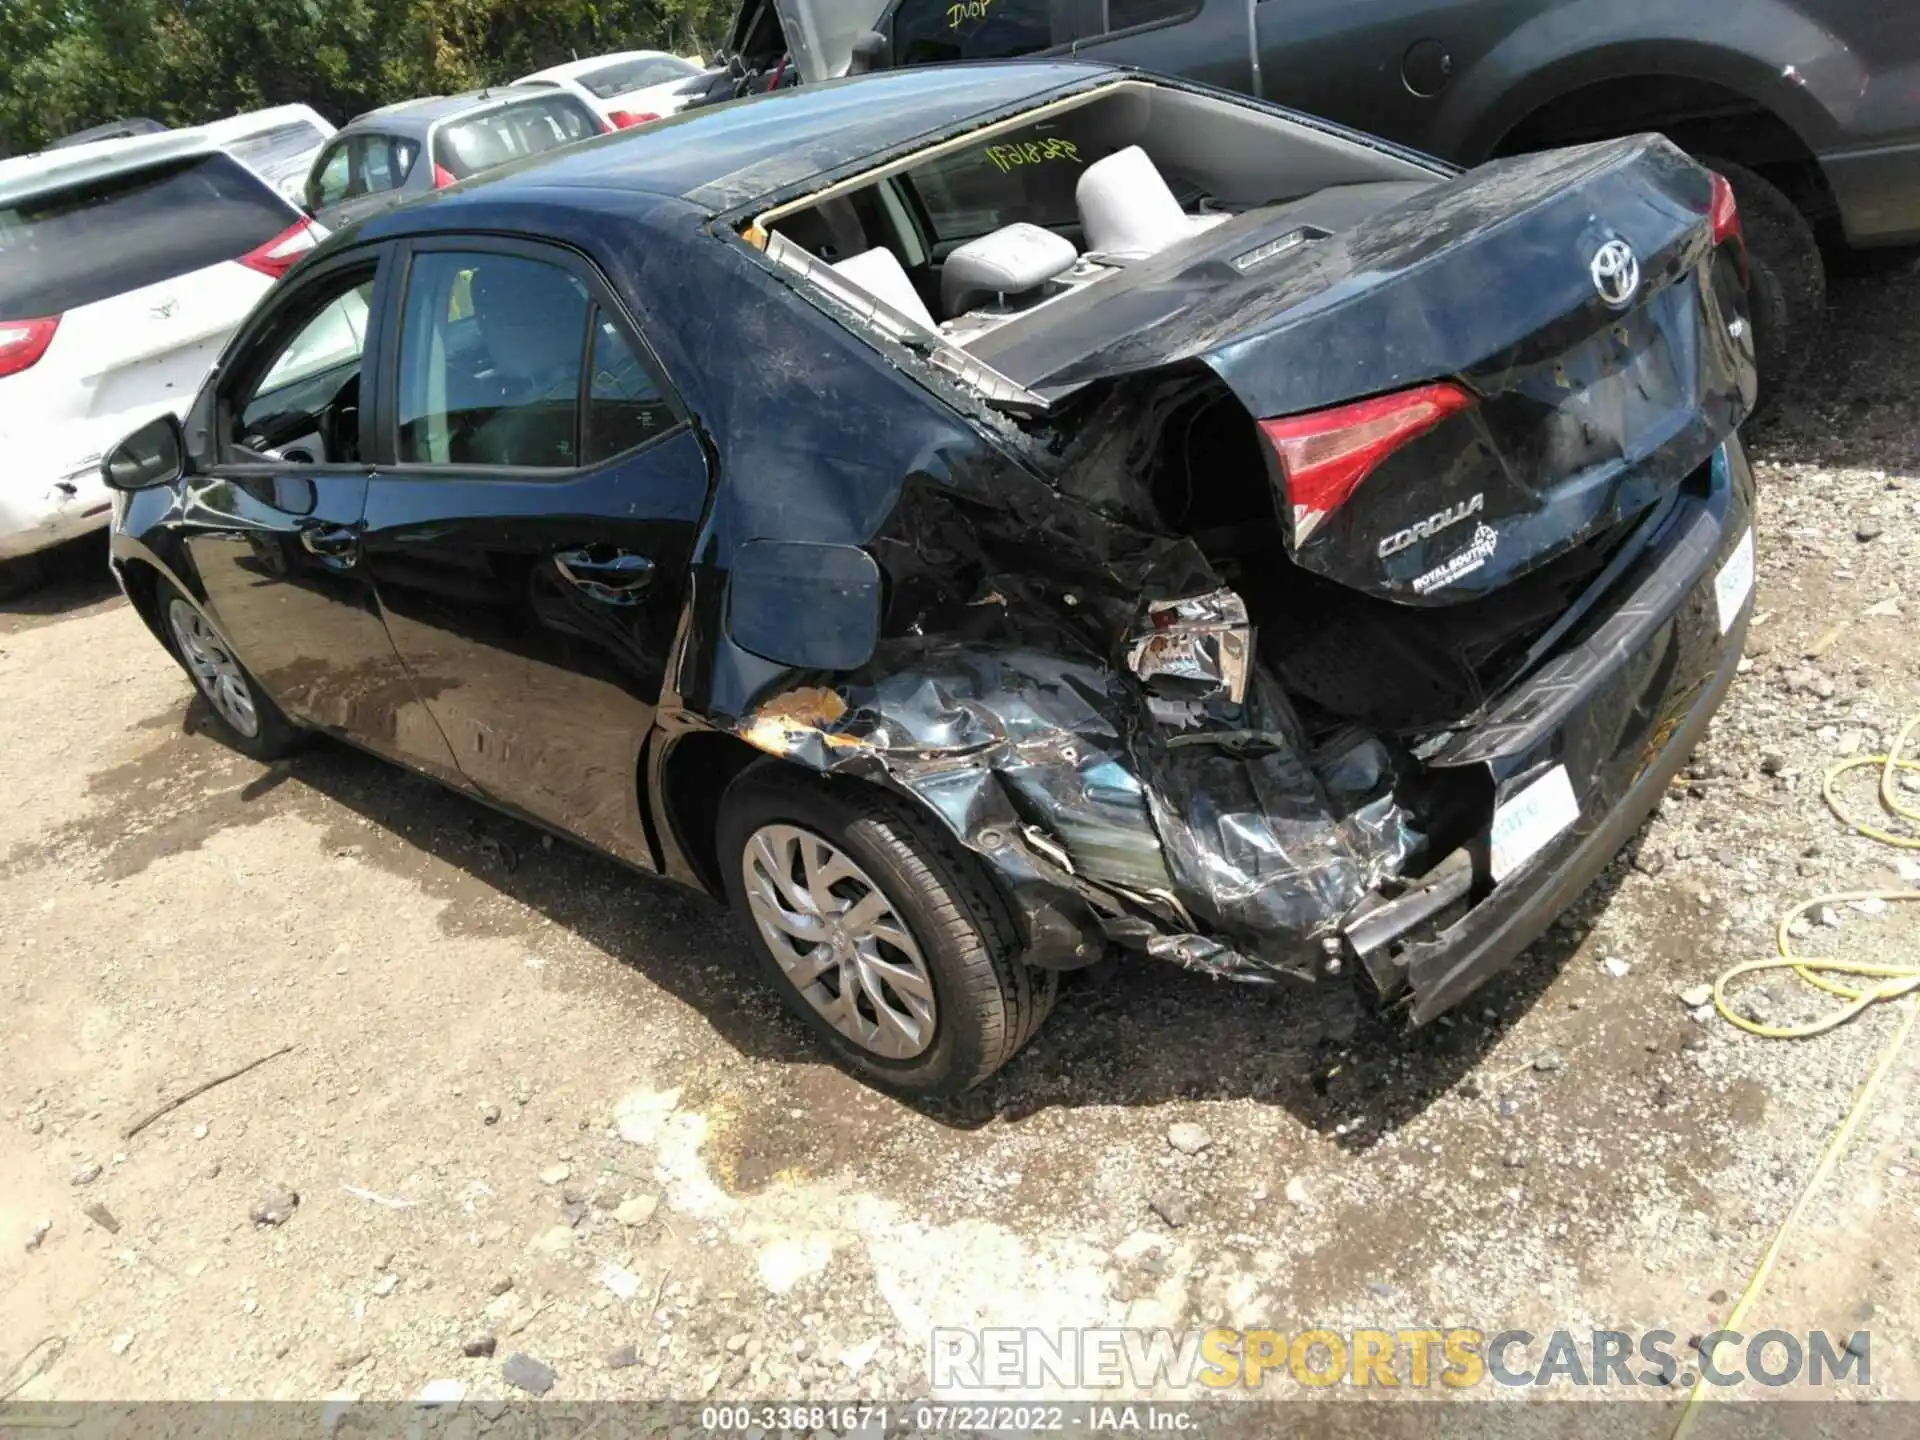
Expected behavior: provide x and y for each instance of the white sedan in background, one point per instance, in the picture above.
(629, 88)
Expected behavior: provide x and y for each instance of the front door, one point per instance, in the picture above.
(273, 525)
(529, 525)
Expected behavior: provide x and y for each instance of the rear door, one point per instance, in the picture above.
(529, 526)
(136, 275)
(273, 526)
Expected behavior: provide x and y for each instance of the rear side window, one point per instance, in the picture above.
(618, 79)
(79, 246)
(625, 408)
(529, 127)
(929, 32)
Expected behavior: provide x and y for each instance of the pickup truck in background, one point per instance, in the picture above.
(1810, 108)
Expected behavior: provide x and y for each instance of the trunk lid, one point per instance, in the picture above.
(1583, 336)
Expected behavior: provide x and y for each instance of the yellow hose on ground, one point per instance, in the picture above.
(1895, 981)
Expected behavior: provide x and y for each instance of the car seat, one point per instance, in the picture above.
(880, 273)
(1127, 210)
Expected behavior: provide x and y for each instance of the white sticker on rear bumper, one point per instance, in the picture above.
(1734, 583)
(1527, 823)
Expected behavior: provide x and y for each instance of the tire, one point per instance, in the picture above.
(20, 575)
(965, 948)
(243, 716)
(1788, 287)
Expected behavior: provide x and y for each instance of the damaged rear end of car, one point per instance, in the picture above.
(1389, 548)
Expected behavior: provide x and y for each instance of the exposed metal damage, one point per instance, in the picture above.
(1160, 795)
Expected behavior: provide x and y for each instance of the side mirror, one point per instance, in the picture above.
(869, 53)
(155, 454)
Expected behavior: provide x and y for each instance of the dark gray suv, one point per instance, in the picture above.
(1811, 108)
(403, 151)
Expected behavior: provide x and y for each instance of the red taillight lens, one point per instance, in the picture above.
(443, 177)
(1328, 453)
(1725, 212)
(278, 255)
(626, 119)
(23, 342)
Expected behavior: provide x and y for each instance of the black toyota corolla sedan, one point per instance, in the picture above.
(972, 519)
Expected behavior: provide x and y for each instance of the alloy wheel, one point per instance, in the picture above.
(214, 669)
(837, 937)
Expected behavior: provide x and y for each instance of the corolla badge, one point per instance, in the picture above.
(1616, 273)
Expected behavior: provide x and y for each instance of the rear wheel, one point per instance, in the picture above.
(19, 575)
(879, 931)
(243, 715)
(1788, 286)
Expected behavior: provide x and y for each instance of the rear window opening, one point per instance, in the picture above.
(86, 244)
(1030, 217)
(512, 132)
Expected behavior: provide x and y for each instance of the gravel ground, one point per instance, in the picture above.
(537, 1108)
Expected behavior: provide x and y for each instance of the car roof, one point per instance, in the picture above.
(27, 176)
(426, 110)
(571, 68)
(723, 157)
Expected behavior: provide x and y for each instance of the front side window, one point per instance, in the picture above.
(490, 361)
(304, 407)
(931, 32)
(332, 177)
(364, 164)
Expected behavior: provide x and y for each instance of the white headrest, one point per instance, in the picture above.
(1009, 260)
(880, 273)
(1126, 208)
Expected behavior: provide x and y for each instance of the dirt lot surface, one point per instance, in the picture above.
(538, 1106)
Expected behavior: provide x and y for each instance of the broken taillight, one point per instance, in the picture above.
(1327, 453)
(443, 177)
(23, 342)
(279, 254)
(1724, 212)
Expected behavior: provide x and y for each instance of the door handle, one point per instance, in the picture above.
(331, 542)
(617, 577)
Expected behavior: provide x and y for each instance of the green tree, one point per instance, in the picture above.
(68, 64)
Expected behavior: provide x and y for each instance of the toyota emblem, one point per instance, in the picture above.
(1616, 273)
